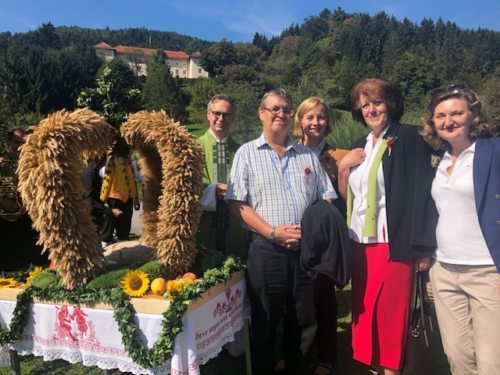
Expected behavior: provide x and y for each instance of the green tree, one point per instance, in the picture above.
(162, 91)
(491, 98)
(116, 94)
(217, 56)
(201, 91)
(414, 74)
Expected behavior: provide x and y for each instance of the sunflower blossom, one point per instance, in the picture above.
(7, 282)
(135, 283)
(35, 272)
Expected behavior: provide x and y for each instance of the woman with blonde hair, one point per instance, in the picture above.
(325, 236)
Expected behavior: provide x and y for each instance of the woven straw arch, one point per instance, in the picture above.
(49, 183)
(50, 187)
(171, 163)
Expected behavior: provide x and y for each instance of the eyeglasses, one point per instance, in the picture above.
(275, 110)
(218, 114)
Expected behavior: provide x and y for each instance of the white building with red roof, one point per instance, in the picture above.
(181, 64)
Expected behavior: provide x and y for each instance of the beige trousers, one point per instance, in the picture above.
(467, 300)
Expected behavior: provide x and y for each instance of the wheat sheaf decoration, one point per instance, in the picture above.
(49, 183)
(171, 164)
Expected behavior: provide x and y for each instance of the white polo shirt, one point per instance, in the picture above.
(458, 234)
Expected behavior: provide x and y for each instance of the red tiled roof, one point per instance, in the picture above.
(178, 55)
(135, 50)
(103, 45)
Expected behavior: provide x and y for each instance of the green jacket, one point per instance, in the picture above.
(207, 233)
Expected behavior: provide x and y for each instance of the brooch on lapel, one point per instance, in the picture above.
(390, 141)
(435, 160)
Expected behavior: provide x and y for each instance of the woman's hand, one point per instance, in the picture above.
(353, 158)
(422, 264)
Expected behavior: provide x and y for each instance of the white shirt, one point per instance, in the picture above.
(458, 234)
(358, 181)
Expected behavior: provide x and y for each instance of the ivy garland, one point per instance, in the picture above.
(123, 312)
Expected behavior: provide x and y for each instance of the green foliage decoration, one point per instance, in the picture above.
(123, 312)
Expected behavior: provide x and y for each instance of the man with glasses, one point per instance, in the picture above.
(272, 181)
(219, 149)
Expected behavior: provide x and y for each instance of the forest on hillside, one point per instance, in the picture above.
(47, 69)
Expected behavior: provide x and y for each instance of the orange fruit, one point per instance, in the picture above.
(174, 287)
(159, 286)
(189, 275)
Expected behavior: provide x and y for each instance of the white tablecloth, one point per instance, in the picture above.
(91, 336)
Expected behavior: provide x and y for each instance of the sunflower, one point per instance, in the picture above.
(7, 282)
(135, 283)
(35, 272)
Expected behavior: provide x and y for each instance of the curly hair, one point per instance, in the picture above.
(480, 127)
(377, 88)
(305, 107)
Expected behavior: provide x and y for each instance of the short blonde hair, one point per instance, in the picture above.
(305, 107)
(480, 127)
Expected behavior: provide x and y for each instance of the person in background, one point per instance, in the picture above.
(466, 188)
(216, 230)
(313, 122)
(92, 183)
(16, 230)
(386, 181)
(272, 182)
(119, 190)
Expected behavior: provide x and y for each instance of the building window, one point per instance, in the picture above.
(199, 70)
(176, 72)
(184, 72)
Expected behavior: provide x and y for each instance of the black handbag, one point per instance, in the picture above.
(424, 353)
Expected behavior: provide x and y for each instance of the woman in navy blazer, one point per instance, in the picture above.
(466, 189)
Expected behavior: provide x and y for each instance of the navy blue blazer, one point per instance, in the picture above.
(408, 176)
(486, 177)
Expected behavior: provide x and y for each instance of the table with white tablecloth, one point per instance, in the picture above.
(90, 335)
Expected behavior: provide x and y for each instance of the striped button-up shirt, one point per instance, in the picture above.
(278, 188)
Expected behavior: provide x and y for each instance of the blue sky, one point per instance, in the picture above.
(236, 20)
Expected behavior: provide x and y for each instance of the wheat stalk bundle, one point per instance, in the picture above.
(49, 183)
(171, 204)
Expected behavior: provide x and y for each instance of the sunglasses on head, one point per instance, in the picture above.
(454, 88)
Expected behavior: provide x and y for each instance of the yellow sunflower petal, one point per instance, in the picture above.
(135, 283)
(7, 282)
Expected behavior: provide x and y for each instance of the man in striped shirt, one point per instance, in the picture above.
(272, 181)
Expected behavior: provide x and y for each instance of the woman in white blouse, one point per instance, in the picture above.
(466, 189)
(386, 180)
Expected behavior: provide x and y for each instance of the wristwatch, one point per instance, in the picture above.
(271, 236)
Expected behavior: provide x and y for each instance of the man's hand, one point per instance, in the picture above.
(288, 236)
(117, 212)
(220, 190)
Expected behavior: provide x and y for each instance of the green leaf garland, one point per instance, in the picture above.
(123, 312)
